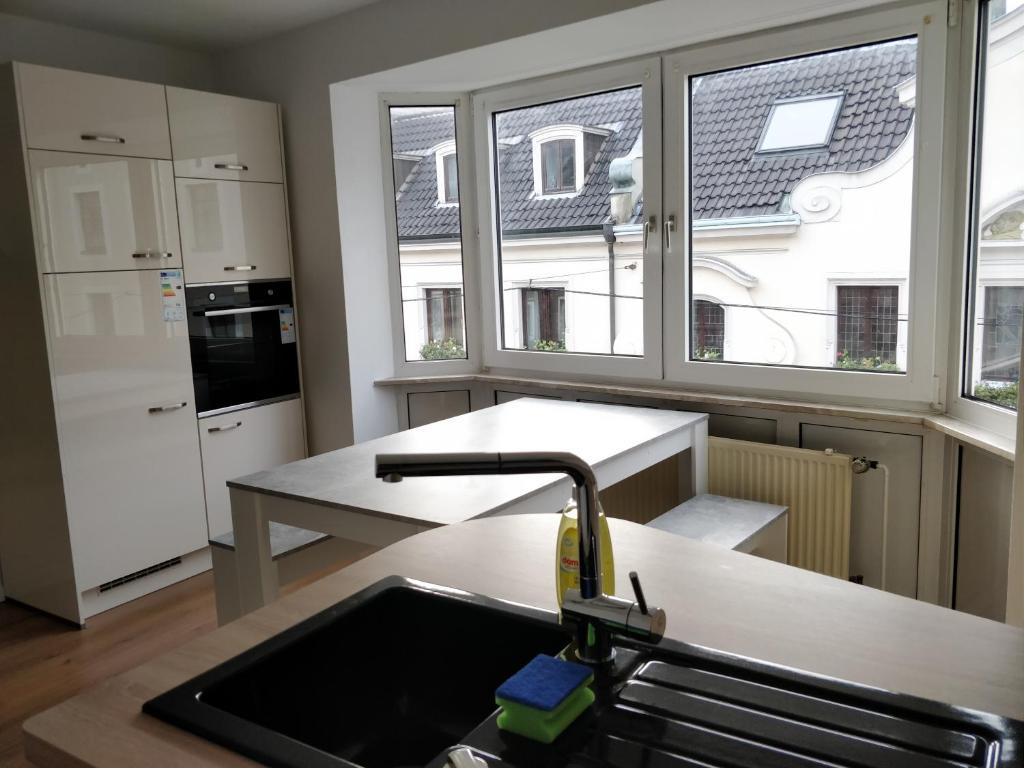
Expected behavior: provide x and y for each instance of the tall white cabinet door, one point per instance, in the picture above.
(78, 112)
(97, 212)
(126, 422)
(224, 137)
(243, 442)
(233, 231)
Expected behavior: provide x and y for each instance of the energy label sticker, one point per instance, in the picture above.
(286, 317)
(172, 290)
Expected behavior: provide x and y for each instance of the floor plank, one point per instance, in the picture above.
(44, 660)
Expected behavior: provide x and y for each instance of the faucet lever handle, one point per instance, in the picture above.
(634, 579)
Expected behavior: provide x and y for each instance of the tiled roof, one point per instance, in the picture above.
(730, 110)
(729, 113)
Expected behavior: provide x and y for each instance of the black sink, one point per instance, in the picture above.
(401, 672)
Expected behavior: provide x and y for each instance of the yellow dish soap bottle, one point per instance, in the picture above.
(567, 553)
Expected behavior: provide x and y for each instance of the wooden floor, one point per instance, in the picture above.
(44, 661)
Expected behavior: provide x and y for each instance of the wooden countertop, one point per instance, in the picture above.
(601, 435)
(714, 597)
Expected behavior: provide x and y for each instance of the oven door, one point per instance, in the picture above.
(243, 356)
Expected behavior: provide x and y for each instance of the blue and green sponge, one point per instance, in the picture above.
(543, 698)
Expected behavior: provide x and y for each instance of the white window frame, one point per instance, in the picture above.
(576, 134)
(467, 218)
(441, 152)
(644, 72)
(927, 346)
(987, 416)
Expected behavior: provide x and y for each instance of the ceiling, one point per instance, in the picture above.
(209, 25)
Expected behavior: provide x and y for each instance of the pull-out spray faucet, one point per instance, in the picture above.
(596, 615)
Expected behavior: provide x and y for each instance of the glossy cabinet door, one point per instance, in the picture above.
(243, 442)
(78, 112)
(233, 231)
(97, 212)
(126, 422)
(224, 137)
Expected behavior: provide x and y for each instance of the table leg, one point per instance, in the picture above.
(257, 575)
(699, 458)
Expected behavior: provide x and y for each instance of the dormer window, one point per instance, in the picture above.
(806, 122)
(447, 174)
(558, 166)
(562, 155)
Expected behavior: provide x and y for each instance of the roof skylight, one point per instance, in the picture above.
(804, 123)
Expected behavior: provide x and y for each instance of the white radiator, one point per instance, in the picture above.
(816, 486)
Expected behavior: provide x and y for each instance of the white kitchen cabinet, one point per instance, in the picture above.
(232, 231)
(78, 112)
(224, 137)
(243, 442)
(99, 212)
(126, 423)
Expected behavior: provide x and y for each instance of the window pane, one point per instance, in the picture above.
(997, 252)
(800, 124)
(777, 238)
(429, 233)
(564, 286)
(451, 179)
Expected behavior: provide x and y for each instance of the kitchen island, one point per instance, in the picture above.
(714, 597)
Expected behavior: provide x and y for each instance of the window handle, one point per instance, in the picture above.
(670, 227)
(649, 226)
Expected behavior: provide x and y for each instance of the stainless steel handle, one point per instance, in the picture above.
(670, 227)
(170, 407)
(241, 268)
(153, 255)
(244, 310)
(104, 138)
(225, 427)
(230, 167)
(649, 226)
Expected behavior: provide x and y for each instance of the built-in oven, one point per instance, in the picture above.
(243, 344)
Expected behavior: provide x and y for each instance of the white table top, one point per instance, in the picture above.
(344, 479)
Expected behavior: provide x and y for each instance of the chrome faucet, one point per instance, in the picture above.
(597, 616)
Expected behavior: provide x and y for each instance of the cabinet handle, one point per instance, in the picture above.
(106, 139)
(230, 167)
(152, 255)
(225, 428)
(163, 408)
(241, 268)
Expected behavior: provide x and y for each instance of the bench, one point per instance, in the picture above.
(295, 551)
(745, 526)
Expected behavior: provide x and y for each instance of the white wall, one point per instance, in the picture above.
(57, 45)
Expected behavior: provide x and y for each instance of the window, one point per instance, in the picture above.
(590, 242)
(428, 231)
(558, 166)
(996, 250)
(444, 324)
(451, 179)
(803, 123)
(544, 319)
(866, 326)
(766, 234)
(708, 330)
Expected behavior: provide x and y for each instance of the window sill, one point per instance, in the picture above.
(957, 429)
